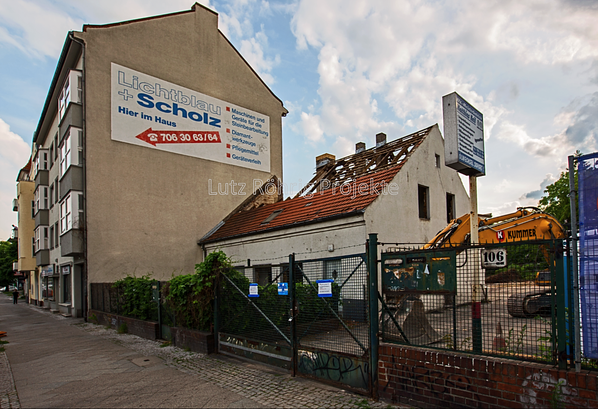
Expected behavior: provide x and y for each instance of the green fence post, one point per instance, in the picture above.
(560, 307)
(292, 315)
(372, 252)
(217, 313)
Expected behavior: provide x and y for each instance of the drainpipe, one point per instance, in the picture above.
(84, 273)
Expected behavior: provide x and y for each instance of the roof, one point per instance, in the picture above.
(353, 183)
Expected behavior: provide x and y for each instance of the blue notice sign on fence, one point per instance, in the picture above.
(283, 288)
(324, 288)
(253, 291)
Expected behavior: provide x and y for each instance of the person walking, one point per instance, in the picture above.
(15, 296)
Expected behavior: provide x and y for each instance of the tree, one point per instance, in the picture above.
(8, 255)
(556, 202)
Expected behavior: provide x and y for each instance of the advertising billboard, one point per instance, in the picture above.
(157, 114)
(463, 136)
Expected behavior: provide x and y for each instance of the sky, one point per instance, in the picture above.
(349, 69)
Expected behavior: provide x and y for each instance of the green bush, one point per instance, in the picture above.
(135, 297)
(191, 296)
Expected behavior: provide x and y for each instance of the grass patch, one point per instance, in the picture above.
(122, 328)
(165, 344)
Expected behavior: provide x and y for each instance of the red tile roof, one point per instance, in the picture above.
(338, 201)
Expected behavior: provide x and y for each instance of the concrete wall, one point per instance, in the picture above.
(146, 209)
(396, 218)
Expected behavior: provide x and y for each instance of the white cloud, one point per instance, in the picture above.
(311, 127)
(253, 51)
(14, 154)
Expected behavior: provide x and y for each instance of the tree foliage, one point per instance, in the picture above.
(8, 255)
(556, 201)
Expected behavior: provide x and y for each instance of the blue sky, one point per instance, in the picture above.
(349, 69)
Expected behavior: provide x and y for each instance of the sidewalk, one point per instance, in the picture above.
(63, 362)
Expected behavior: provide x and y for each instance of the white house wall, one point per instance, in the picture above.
(396, 218)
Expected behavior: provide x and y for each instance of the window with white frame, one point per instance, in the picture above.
(41, 198)
(71, 212)
(41, 238)
(71, 149)
(40, 161)
(71, 91)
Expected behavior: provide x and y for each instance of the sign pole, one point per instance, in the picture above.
(476, 294)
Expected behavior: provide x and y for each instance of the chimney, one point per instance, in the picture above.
(324, 159)
(359, 147)
(380, 139)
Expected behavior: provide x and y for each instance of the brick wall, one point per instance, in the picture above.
(430, 378)
(144, 329)
(196, 341)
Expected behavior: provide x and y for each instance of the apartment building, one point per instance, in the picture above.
(142, 119)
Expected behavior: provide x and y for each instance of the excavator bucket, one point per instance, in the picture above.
(416, 327)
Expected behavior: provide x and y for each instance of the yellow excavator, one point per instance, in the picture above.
(526, 224)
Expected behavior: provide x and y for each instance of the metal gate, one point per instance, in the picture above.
(308, 316)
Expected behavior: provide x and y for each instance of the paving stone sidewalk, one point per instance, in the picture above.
(248, 384)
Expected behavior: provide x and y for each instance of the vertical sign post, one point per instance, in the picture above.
(464, 152)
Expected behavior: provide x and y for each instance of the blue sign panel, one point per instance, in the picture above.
(324, 288)
(283, 288)
(588, 252)
(253, 290)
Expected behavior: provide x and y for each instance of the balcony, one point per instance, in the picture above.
(42, 257)
(71, 243)
(15, 266)
(72, 180)
(72, 117)
(42, 178)
(42, 218)
(15, 205)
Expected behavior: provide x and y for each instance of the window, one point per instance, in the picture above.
(40, 161)
(56, 231)
(56, 190)
(423, 198)
(51, 237)
(41, 238)
(71, 212)
(65, 215)
(33, 247)
(51, 195)
(272, 216)
(41, 198)
(437, 160)
(262, 275)
(70, 151)
(450, 207)
(56, 145)
(33, 209)
(71, 91)
(332, 269)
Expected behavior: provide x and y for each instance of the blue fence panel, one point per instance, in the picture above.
(588, 251)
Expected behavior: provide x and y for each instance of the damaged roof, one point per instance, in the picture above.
(339, 189)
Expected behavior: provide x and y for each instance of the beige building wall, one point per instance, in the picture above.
(146, 209)
(395, 217)
(26, 224)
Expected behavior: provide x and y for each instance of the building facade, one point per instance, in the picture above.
(25, 206)
(142, 121)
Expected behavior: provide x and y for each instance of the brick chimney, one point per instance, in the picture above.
(380, 139)
(359, 147)
(324, 160)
